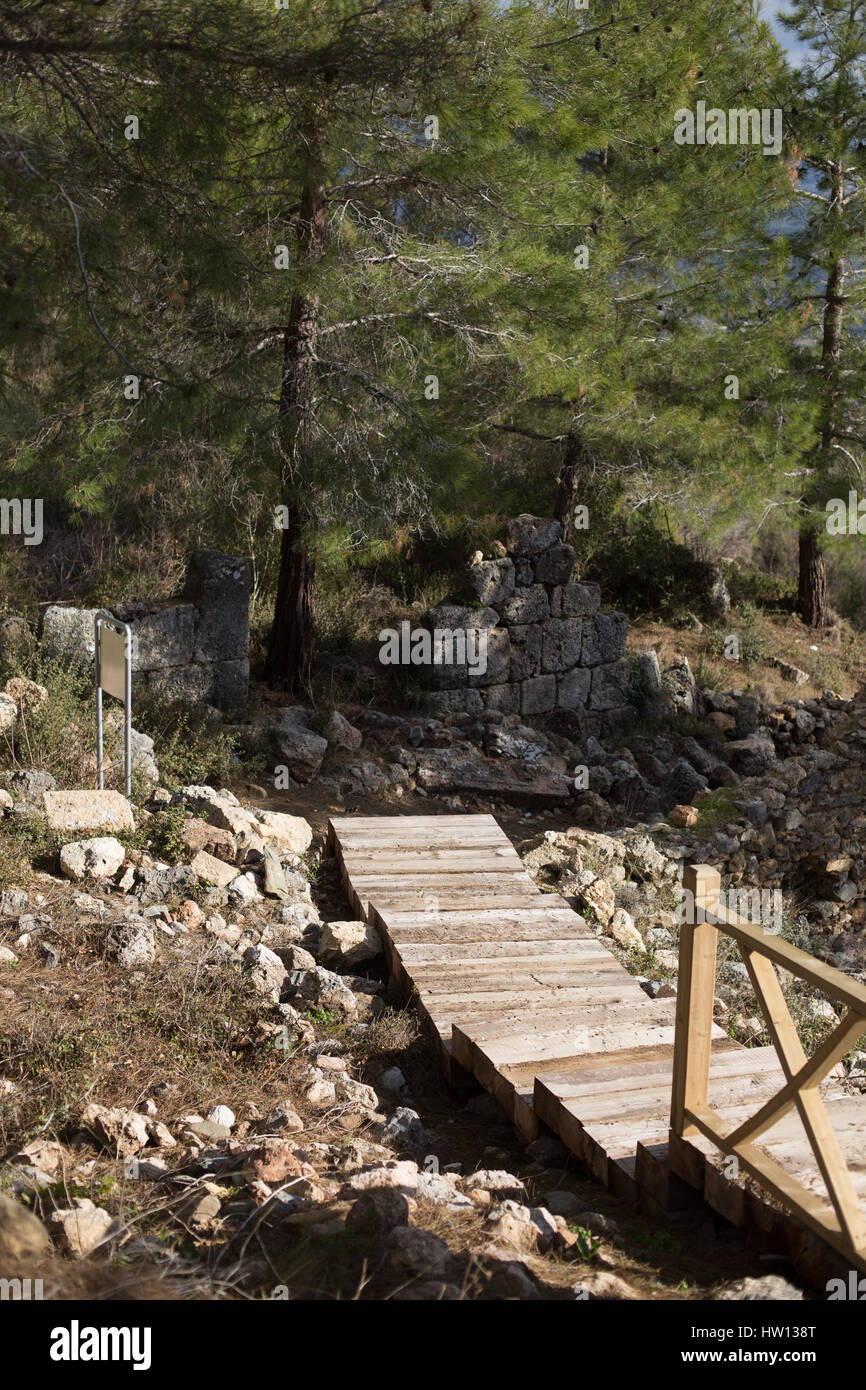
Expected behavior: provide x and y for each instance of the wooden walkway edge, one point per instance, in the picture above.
(517, 991)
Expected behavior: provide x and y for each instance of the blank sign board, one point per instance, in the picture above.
(112, 662)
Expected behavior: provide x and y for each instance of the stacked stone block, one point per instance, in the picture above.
(549, 645)
(194, 648)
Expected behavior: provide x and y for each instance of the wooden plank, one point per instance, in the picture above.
(487, 1057)
(696, 986)
(471, 896)
(549, 908)
(433, 929)
(526, 992)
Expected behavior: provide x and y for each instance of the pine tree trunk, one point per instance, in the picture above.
(290, 652)
(567, 483)
(290, 649)
(812, 600)
(812, 597)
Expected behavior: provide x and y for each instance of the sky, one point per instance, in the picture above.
(795, 50)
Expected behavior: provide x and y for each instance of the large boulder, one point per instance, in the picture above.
(266, 971)
(26, 789)
(156, 883)
(98, 858)
(580, 600)
(321, 989)
(751, 756)
(68, 634)
(604, 638)
(530, 535)
(212, 871)
(87, 810)
(220, 808)
(302, 749)
(162, 634)
(132, 944)
(490, 581)
(554, 565)
(288, 834)
(645, 689)
(198, 834)
(530, 605)
(342, 734)
(219, 586)
(350, 943)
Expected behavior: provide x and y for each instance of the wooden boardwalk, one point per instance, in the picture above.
(516, 990)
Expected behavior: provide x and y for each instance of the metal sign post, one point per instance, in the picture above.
(114, 676)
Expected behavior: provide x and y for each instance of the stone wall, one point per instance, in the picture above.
(549, 645)
(194, 647)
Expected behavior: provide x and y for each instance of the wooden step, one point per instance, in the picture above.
(515, 989)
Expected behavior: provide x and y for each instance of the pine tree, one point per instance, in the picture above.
(639, 266)
(827, 116)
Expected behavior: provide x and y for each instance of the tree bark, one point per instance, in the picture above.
(290, 649)
(568, 481)
(812, 598)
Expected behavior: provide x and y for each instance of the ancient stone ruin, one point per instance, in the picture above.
(194, 647)
(549, 645)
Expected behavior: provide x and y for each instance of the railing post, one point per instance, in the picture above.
(696, 987)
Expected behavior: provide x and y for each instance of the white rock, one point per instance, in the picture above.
(220, 808)
(99, 858)
(321, 1094)
(244, 890)
(353, 943)
(82, 1227)
(221, 1115)
(214, 871)
(87, 810)
(356, 1092)
(291, 834)
(394, 1082)
(402, 1174)
(623, 930)
(266, 970)
(8, 713)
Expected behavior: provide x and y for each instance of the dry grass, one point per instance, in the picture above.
(838, 663)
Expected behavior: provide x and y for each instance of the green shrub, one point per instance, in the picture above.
(59, 737)
(188, 747)
(642, 568)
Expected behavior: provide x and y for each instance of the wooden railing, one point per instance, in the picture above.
(843, 1224)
